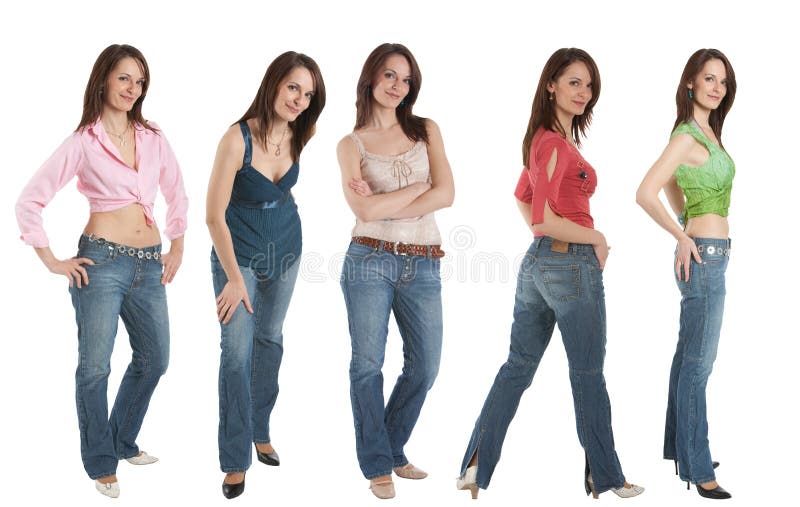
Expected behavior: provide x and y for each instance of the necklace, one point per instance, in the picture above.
(123, 141)
(278, 144)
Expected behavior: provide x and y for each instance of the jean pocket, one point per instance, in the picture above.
(563, 283)
(357, 251)
(99, 255)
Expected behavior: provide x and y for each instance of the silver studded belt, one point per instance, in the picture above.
(141, 253)
(714, 250)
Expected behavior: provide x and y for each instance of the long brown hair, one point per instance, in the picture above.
(94, 99)
(263, 106)
(543, 113)
(413, 126)
(690, 73)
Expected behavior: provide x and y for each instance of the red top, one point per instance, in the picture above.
(568, 191)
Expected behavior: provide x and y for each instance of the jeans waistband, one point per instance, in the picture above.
(148, 252)
(545, 242)
(713, 246)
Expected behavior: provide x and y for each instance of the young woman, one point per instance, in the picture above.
(255, 228)
(560, 280)
(120, 160)
(696, 175)
(394, 175)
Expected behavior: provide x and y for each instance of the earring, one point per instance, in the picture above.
(691, 95)
(403, 102)
(552, 95)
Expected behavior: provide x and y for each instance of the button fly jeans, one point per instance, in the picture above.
(564, 289)
(127, 287)
(702, 303)
(375, 283)
(252, 350)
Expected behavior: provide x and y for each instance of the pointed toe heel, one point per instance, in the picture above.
(717, 493)
(272, 459)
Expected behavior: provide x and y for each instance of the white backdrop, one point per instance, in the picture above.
(480, 63)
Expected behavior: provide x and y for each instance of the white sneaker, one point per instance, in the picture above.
(142, 459)
(110, 489)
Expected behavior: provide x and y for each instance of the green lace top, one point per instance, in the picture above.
(707, 187)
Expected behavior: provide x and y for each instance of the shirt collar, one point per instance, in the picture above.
(96, 126)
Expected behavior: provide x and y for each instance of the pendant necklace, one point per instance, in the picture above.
(278, 144)
(123, 141)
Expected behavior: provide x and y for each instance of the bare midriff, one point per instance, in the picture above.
(126, 226)
(709, 225)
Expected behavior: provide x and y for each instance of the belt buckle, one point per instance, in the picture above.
(394, 249)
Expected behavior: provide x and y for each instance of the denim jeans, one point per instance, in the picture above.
(702, 302)
(127, 287)
(375, 283)
(564, 289)
(252, 349)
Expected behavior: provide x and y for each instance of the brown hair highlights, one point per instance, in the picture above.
(690, 72)
(263, 106)
(543, 113)
(94, 99)
(413, 126)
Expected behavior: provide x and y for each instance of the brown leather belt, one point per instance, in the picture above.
(399, 248)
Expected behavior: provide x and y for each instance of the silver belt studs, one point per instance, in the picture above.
(125, 250)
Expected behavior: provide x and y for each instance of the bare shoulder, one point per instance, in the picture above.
(680, 144)
(347, 146)
(434, 134)
(432, 127)
(232, 142)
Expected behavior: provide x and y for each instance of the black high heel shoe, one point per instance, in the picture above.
(232, 490)
(270, 459)
(717, 493)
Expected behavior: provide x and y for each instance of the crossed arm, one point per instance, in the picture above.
(411, 201)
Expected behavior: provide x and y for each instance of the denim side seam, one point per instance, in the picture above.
(127, 419)
(253, 360)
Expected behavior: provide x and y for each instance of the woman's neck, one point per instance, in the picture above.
(115, 120)
(383, 118)
(277, 128)
(565, 120)
(701, 116)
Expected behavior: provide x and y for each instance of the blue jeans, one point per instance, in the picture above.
(564, 289)
(127, 287)
(702, 303)
(252, 349)
(374, 283)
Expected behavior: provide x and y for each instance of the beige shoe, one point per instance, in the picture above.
(624, 492)
(409, 471)
(141, 459)
(383, 490)
(109, 489)
(467, 481)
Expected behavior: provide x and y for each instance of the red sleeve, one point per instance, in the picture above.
(523, 191)
(546, 189)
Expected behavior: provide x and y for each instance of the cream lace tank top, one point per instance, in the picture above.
(389, 173)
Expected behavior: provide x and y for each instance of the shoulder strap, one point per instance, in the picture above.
(361, 150)
(248, 142)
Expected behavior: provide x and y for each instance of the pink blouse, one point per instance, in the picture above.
(106, 181)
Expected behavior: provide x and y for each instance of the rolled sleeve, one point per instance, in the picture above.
(171, 184)
(54, 174)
